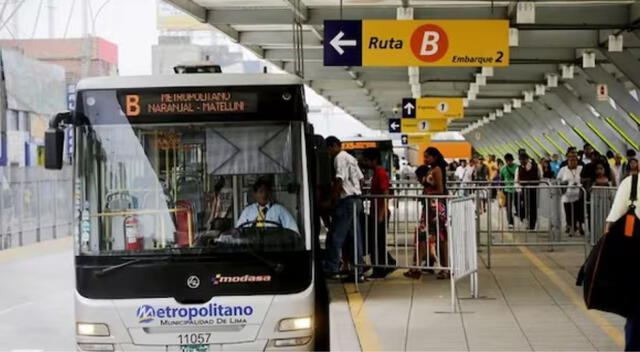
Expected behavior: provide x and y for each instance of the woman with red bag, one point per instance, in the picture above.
(433, 230)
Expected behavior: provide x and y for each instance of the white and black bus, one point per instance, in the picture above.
(168, 255)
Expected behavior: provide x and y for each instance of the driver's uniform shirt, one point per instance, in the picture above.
(271, 213)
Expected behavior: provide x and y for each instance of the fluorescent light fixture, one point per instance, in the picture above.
(416, 92)
(481, 80)
(465, 102)
(513, 36)
(499, 113)
(588, 59)
(540, 89)
(593, 110)
(487, 71)
(526, 12)
(517, 103)
(615, 43)
(485, 119)
(471, 96)
(528, 96)
(552, 80)
(404, 13)
(564, 122)
(366, 91)
(359, 83)
(474, 87)
(492, 116)
(506, 107)
(567, 71)
(414, 71)
(414, 80)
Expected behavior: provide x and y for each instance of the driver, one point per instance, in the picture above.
(263, 212)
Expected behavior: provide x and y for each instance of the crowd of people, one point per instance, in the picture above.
(578, 169)
(345, 197)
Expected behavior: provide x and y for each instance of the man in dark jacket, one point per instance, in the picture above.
(527, 176)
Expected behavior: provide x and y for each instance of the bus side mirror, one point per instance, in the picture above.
(54, 141)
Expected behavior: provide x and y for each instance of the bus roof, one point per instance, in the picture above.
(188, 80)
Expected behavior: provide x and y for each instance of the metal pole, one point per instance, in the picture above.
(355, 247)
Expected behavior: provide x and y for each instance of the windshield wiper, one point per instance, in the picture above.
(276, 267)
(112, 268)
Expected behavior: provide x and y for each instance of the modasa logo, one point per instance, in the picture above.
(218, 279)
(145, 314)
(429, 43)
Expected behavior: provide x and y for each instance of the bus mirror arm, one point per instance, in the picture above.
(54, 140)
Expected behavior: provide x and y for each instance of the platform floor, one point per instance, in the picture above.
(530, 303)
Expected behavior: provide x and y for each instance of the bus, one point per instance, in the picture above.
(164, 167)
(357, 145)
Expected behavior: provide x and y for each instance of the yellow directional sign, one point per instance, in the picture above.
(415, 138)
(439, 108)
(422, 126)
(432, 108)
(435, 43)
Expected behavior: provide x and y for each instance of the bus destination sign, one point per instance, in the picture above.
(189, 103)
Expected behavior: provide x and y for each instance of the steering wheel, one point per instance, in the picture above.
(254, 223)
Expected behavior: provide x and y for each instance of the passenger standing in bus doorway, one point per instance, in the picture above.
(527, 176)
(346, 192)
(378, 215)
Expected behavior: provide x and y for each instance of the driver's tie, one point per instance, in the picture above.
(262, 214)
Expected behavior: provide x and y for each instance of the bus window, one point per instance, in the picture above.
(184, 186)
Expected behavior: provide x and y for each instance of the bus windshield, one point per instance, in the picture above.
(185, 188)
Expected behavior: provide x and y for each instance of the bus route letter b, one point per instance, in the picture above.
(429, 43)
(133, 105)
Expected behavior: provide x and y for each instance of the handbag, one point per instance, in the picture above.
(609, 275)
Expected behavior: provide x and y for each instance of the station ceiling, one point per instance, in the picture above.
(562, 31)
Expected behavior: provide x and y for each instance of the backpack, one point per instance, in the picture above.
(609, 275)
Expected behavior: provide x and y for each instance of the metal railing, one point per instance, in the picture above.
(600, 201)
(532, 215)
(35, 205)
(419, 233)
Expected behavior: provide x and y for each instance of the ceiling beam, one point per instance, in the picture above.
(570, 15)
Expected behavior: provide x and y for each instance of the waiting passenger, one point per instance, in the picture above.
(264, 212)
(527, 175)
(378, 218)
(346, 193)
(508, 175)
(572, 200)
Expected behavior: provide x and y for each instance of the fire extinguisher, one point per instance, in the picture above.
(132, 233)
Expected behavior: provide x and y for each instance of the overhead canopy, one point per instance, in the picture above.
(561, 32)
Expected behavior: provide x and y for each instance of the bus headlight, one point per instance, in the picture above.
(296, 341)
(92, 329)
(290, 324)
(96, 347)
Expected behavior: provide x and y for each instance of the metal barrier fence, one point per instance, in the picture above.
(601, 199)
(532, 215)
(35, 205)
(420, 233)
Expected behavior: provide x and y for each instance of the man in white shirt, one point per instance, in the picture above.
(459, 174)
(346, 190)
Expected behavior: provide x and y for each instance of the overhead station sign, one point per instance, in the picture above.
(416, 43)
(422, 126)
(432, 108)
(415, 139)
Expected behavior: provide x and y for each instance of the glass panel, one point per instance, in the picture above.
(189, 187)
